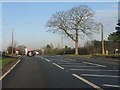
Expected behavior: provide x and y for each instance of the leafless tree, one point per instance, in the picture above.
(74, 23)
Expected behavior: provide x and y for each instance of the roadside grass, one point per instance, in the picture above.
(6, 61)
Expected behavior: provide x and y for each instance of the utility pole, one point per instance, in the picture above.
(62, 42)
(102, 39)
(12, 41)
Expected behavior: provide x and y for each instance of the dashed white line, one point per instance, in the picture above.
(1, 77)
(108, 85)
(94, 64)
(93, 70)
(86, 81)
(47, 60)
(92, 75)
(58, 66)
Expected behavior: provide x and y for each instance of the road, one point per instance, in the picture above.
(63, 72)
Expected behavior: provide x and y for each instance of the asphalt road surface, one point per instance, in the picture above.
(63, 72)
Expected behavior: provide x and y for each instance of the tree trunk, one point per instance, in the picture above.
(76, 43)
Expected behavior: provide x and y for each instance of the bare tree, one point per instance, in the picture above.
(73, 23)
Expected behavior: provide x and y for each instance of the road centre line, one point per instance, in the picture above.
(92, 75)
(108, 85)
(58, 66)
(47, 60)
(1, 77)
(87, 82)
(94, 64)
(92, 70)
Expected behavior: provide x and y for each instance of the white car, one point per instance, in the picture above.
(37, 53)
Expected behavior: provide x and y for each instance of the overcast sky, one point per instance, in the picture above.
(28, 21)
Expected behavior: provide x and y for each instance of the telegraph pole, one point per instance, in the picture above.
(102, 39)
(12, 41)
(62, 42)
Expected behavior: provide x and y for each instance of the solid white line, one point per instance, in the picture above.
(92, 70)
(94, 64)
(92, 75)
(58, 66)
(107, 85)
(1, 77)
(47, 60)
(86, 81)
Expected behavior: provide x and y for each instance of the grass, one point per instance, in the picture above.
(6, 61)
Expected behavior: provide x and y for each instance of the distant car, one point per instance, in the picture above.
(31, 53)
(37, 53)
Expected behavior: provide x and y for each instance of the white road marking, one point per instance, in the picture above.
(1, 77)
(88, 82)
(107, 85)
(47, 60)
(94, 64)
(58, 66)
(92, 75)
(77, 66)
(93, 70)
(116, 60)
(42, 58)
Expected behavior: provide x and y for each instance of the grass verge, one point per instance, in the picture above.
(6, 61)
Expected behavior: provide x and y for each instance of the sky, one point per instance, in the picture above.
(28, 20)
